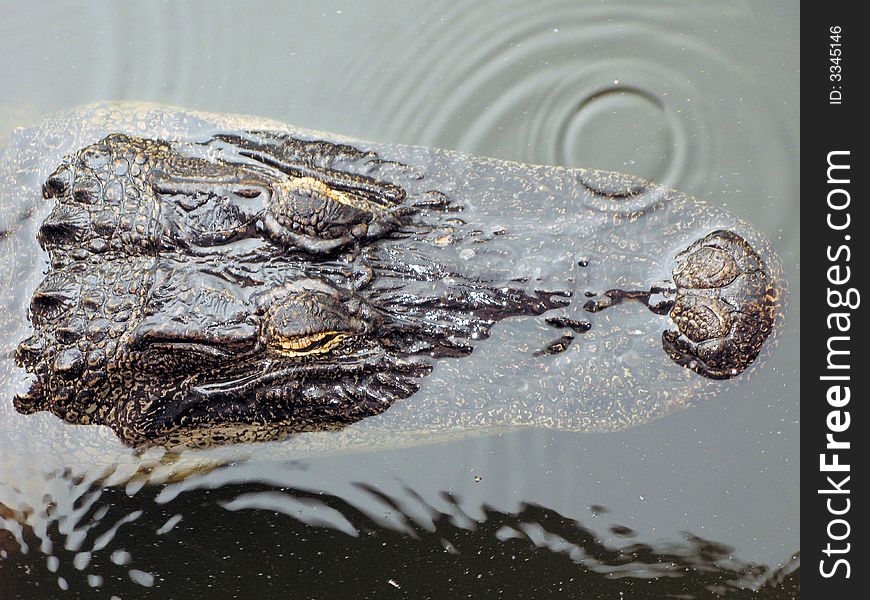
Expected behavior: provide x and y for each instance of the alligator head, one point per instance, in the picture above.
(250, 286)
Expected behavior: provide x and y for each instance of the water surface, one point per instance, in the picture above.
(700, 96)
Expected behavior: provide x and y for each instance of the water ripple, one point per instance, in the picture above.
(562, 83)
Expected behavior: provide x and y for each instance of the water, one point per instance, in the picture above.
(701, 97)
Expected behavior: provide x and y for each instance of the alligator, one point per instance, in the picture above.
(217, 279)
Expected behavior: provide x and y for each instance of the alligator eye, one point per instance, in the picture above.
(310, 204)
(310, 321)
(303, 345)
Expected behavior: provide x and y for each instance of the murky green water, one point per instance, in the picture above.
(698, 95)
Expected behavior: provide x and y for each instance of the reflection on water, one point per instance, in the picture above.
(258, 539)
(701, 96)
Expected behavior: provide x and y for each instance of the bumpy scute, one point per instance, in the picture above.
(724, 308)
(242, 286)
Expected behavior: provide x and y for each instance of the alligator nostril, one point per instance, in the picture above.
(706, 268)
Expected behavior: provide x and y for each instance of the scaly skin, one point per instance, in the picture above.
(135, 195)
(244, 286)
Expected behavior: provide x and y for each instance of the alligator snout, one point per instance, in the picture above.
(721, 303)
(724, 307)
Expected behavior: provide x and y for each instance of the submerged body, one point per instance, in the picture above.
(215, 278)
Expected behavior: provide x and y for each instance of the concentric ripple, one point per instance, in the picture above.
(695, 95)
(576, 84)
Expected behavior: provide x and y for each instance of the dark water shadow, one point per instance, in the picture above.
(256, 548)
